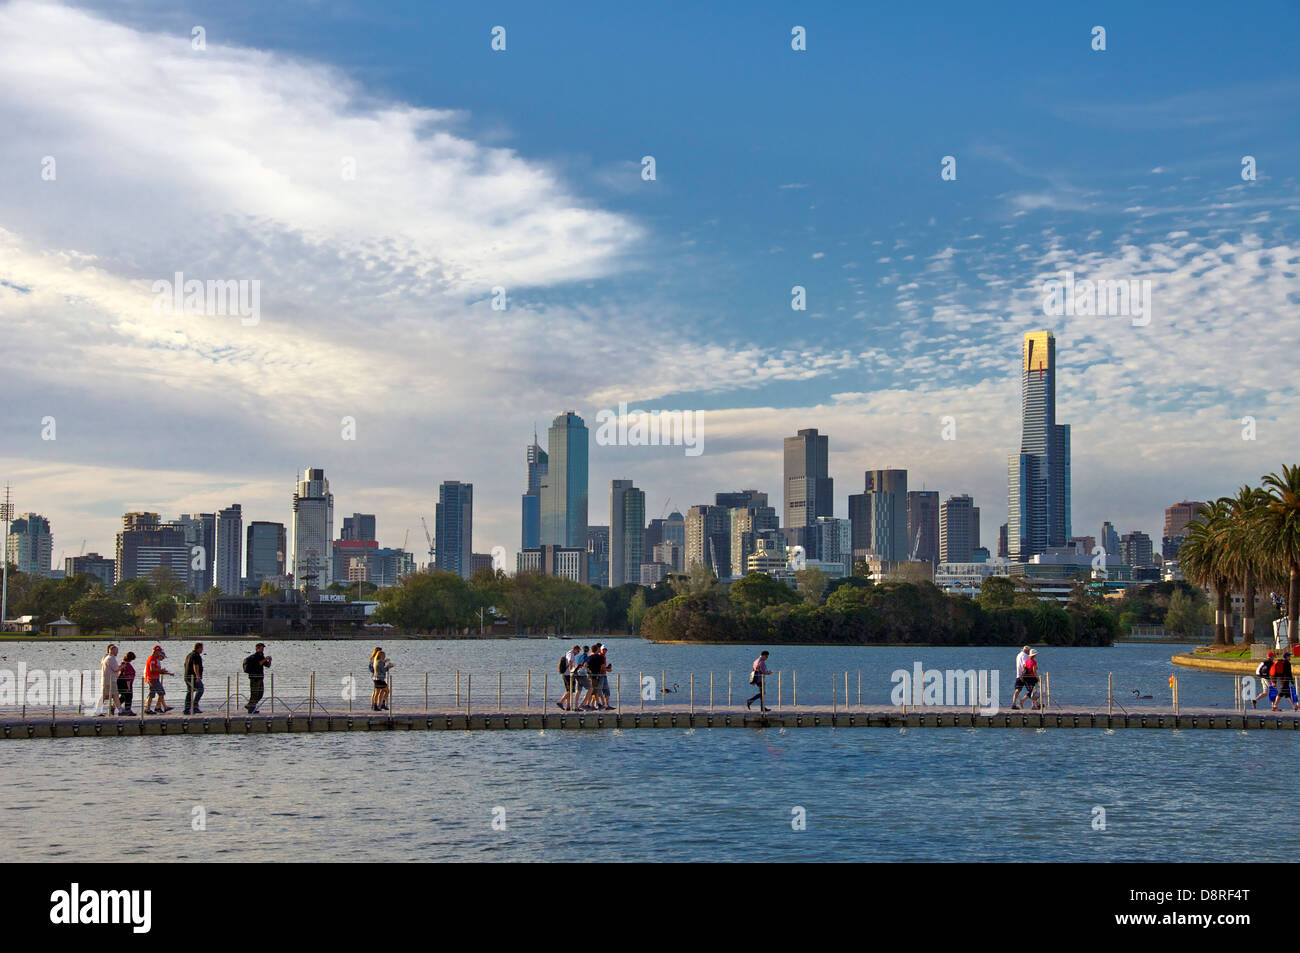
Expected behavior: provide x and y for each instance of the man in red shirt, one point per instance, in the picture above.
(153, 673)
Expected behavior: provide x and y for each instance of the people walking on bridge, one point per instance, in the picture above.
(569, 662)
(1263, 671)
(255, 668)
(193, 675)
(1029, 680)
(108, 667)
(126, 684)
(581, 677)
(153, 676)
(380, 667)
(603, 694)
(756, 676)
(374, 689)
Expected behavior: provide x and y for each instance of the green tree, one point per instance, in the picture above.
(1280, 533)
(811, 584)
(1186, 615)
(757, 590)
(636, 610)
(162, 581)
(997, 592)
(164, 610)
(97, 611)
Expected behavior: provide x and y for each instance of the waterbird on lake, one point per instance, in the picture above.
(1138, 694)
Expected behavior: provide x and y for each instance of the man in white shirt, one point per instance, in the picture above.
(1020, 671)
(570, 663)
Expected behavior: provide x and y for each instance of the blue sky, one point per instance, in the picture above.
(774, 168)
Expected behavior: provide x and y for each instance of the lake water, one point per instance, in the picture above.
(721, 794)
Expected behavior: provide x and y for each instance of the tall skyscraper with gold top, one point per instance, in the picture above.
(1038, 499)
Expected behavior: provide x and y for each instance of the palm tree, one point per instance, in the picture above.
(1281, 534)
(1242, 558)
(1201, 559)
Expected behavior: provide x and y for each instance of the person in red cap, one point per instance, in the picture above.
(153, 673)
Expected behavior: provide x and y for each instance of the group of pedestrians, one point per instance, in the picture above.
(1027, 680)
(378, 667)
(585, 670)
(1275, 674)
(117, 692)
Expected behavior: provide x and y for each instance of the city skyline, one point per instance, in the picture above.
(665, 293)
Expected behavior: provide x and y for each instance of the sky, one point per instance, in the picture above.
(379, 170)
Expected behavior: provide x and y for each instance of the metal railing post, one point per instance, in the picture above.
(618, 691)
(273, 694)
(498, 691)
(692, 695)
(469, 687)
(311, 695)
(728, 688)
(778, 688)
(1110, 693)
(457, 688)
(227, 696)
(426, 693)
(663, 683)
(794, 688)
(528, 689)
(846, 689)
(640, 689)
(546, 692)
(859, 688)
(710, 691)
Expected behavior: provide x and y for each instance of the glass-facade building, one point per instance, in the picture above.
(313, 531)
(564, 487)
(1038, 478)
(454, 542)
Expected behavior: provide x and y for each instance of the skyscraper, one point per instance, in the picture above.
(626, 532)
(145, 544)
(1176, 519)
(227, 560)
(708, 539)
(31, 547)
(359, 527)
(1038, 498)
(958, 529)
(564, 487)
(923, 525)
(454, 535)
(1110, 541)
(313, 530)
(809, 489)
(265, 552)
(531, 534)
(749, 517)
(878, 517)
(200, 533)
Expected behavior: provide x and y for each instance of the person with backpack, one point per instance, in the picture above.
(595, 666)
(193, 674)
(1262, 671)
(568, 662)
(582, 681)
(254, 667)
(1283, 686)
(153, 676)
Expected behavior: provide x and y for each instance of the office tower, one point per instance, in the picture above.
(626, 532)
(1083, 545)
(675, 529)
(359, 527)
(958, 529)
(531, 531)
(809, 489)
(1038, 498)
(1110, 541)
(454, 535)
(200, 533)
(1002, 541)
(1135, 550)
(313, 531)
(566, 561)
(669, 554)
(1176, 519)
(91, 564)
(228, 559)
(145, 544)
(597, 561)
(749, 516)
(265, 553)
(708, 539)
(480, 562)
(30, 547)
(564, 487)
(923, 525)
(835, 542)
(878, 517)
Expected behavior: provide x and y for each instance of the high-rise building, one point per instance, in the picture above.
(598, 556)
(708, 539)
(313, 531)
(878, 517)
(1038, 499)
(675, 529)
(200, 532)
(626, 532)
(531, 530)
(749, 516)
(91, 564)
(454, 535)
(923, 525)
(359, 527)
(1135, 549)
(564, 490)
(809, 489)
(31, 547)
(1002, 541)
(145, 544)
(265, 553)
(1110, 541)
(958, 529)
(228, 559)
(566, 561)
(1176, 519)
(836, 542)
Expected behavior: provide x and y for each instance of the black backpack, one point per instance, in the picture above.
(564, 664)
(250, 665)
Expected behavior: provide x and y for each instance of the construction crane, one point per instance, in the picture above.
(427, 535)
(916, 543)
(406, 539)
(665, 509)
